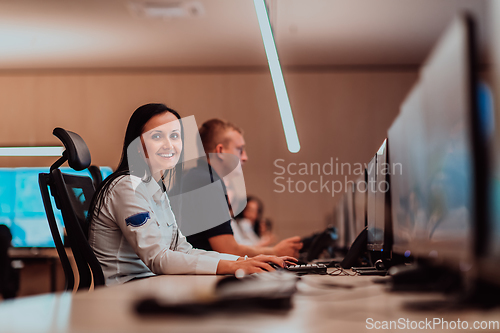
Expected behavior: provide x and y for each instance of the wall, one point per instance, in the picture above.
(340, 114)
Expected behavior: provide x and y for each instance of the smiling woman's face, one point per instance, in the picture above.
(161, 140)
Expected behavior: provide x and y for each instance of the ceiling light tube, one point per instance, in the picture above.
(31, 151)
(292, 139)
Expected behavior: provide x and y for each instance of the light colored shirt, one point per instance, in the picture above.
(133, 235)
(244, 233)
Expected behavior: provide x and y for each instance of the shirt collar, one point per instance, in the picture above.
(154, 190)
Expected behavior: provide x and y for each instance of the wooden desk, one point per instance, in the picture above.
(48, 256)
(322, 304)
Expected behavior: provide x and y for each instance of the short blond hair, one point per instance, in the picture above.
(212, 133)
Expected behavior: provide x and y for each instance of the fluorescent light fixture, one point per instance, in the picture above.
(292, 139)
(31, 151)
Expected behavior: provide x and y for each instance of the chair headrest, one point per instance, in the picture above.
(76, 152)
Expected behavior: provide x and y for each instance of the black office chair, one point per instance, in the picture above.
(96, 174)
(72, 195)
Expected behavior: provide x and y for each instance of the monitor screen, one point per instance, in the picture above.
(359, 198)
(406, 143)
(434, 203)
(21, 207)
(489, 238)
(379, 189)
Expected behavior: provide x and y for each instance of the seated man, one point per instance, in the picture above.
(218, 136)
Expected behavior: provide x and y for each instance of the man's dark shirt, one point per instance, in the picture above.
(195, 178)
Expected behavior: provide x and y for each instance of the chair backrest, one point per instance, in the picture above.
(72, 195)
(96, 174)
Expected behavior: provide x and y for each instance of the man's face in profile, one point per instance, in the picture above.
(230, 155)
(235, 144)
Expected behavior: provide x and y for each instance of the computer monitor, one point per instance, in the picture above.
(406, 143)
(379, 229)
(21, 206)
(371, 205)
(444, 187)
(350, 229)
(489, 252)
(340, 223)
(359, 198)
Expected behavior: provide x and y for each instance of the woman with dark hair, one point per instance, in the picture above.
(247, 226)
(133, 231)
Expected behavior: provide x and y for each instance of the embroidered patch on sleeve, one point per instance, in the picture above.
(138, 219)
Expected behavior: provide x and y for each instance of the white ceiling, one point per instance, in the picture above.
(38, 34)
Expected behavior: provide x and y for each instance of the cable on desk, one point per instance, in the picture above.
(339, 271)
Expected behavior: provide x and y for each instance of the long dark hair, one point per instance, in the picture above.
(260, 214)
(140, 168)
(260, 209)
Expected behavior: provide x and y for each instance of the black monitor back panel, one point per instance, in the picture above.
(350, 222)
(371, 206)
(359, 202)
(340, 223)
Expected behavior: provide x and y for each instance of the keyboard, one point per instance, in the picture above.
(254, 292)
(307, 269)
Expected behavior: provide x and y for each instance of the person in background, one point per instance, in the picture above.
(249, 225)
(220, 138)
(133, 231)
(264, 229)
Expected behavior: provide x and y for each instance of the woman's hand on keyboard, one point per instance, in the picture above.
(256, 264)
(289, 261)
